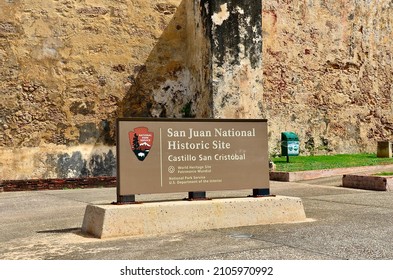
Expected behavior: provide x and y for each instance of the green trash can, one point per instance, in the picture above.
(289, 144)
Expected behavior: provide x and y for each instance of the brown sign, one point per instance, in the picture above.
(172, 155)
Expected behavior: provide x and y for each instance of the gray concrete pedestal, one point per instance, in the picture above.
(155, 218)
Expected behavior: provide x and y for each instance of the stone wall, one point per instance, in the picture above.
(68, 68)
(236, 35)
(328, 73)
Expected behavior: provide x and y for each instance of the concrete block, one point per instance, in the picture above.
(376, 183)
(155, 218)
(279, 176)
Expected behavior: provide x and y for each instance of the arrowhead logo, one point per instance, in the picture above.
(141, 141)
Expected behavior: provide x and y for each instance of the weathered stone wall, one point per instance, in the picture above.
(328, 73)
(68, 68)
(236, 37)
(199, 61)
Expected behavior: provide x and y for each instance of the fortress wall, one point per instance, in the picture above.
(68, 68)
(328, 73)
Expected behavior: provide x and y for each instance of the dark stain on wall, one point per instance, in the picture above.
(106, 134)
(88, 133)
(102, 165)
(67, 164)
(75, 166)
(241, 28)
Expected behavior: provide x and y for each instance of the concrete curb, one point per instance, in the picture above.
(315, 174)
(57, 184)
(375, 183)
(156, 218)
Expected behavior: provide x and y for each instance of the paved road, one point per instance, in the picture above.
(334, 181)
(342, 224)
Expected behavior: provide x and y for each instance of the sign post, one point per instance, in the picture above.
(190, 155)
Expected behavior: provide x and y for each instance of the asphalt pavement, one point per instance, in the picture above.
(341, 224)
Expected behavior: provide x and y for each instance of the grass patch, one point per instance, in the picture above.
(303, 163)
(384, 174)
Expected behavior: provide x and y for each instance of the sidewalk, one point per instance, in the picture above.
(342, 224)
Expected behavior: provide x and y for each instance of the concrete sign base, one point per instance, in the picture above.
(155, 218)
